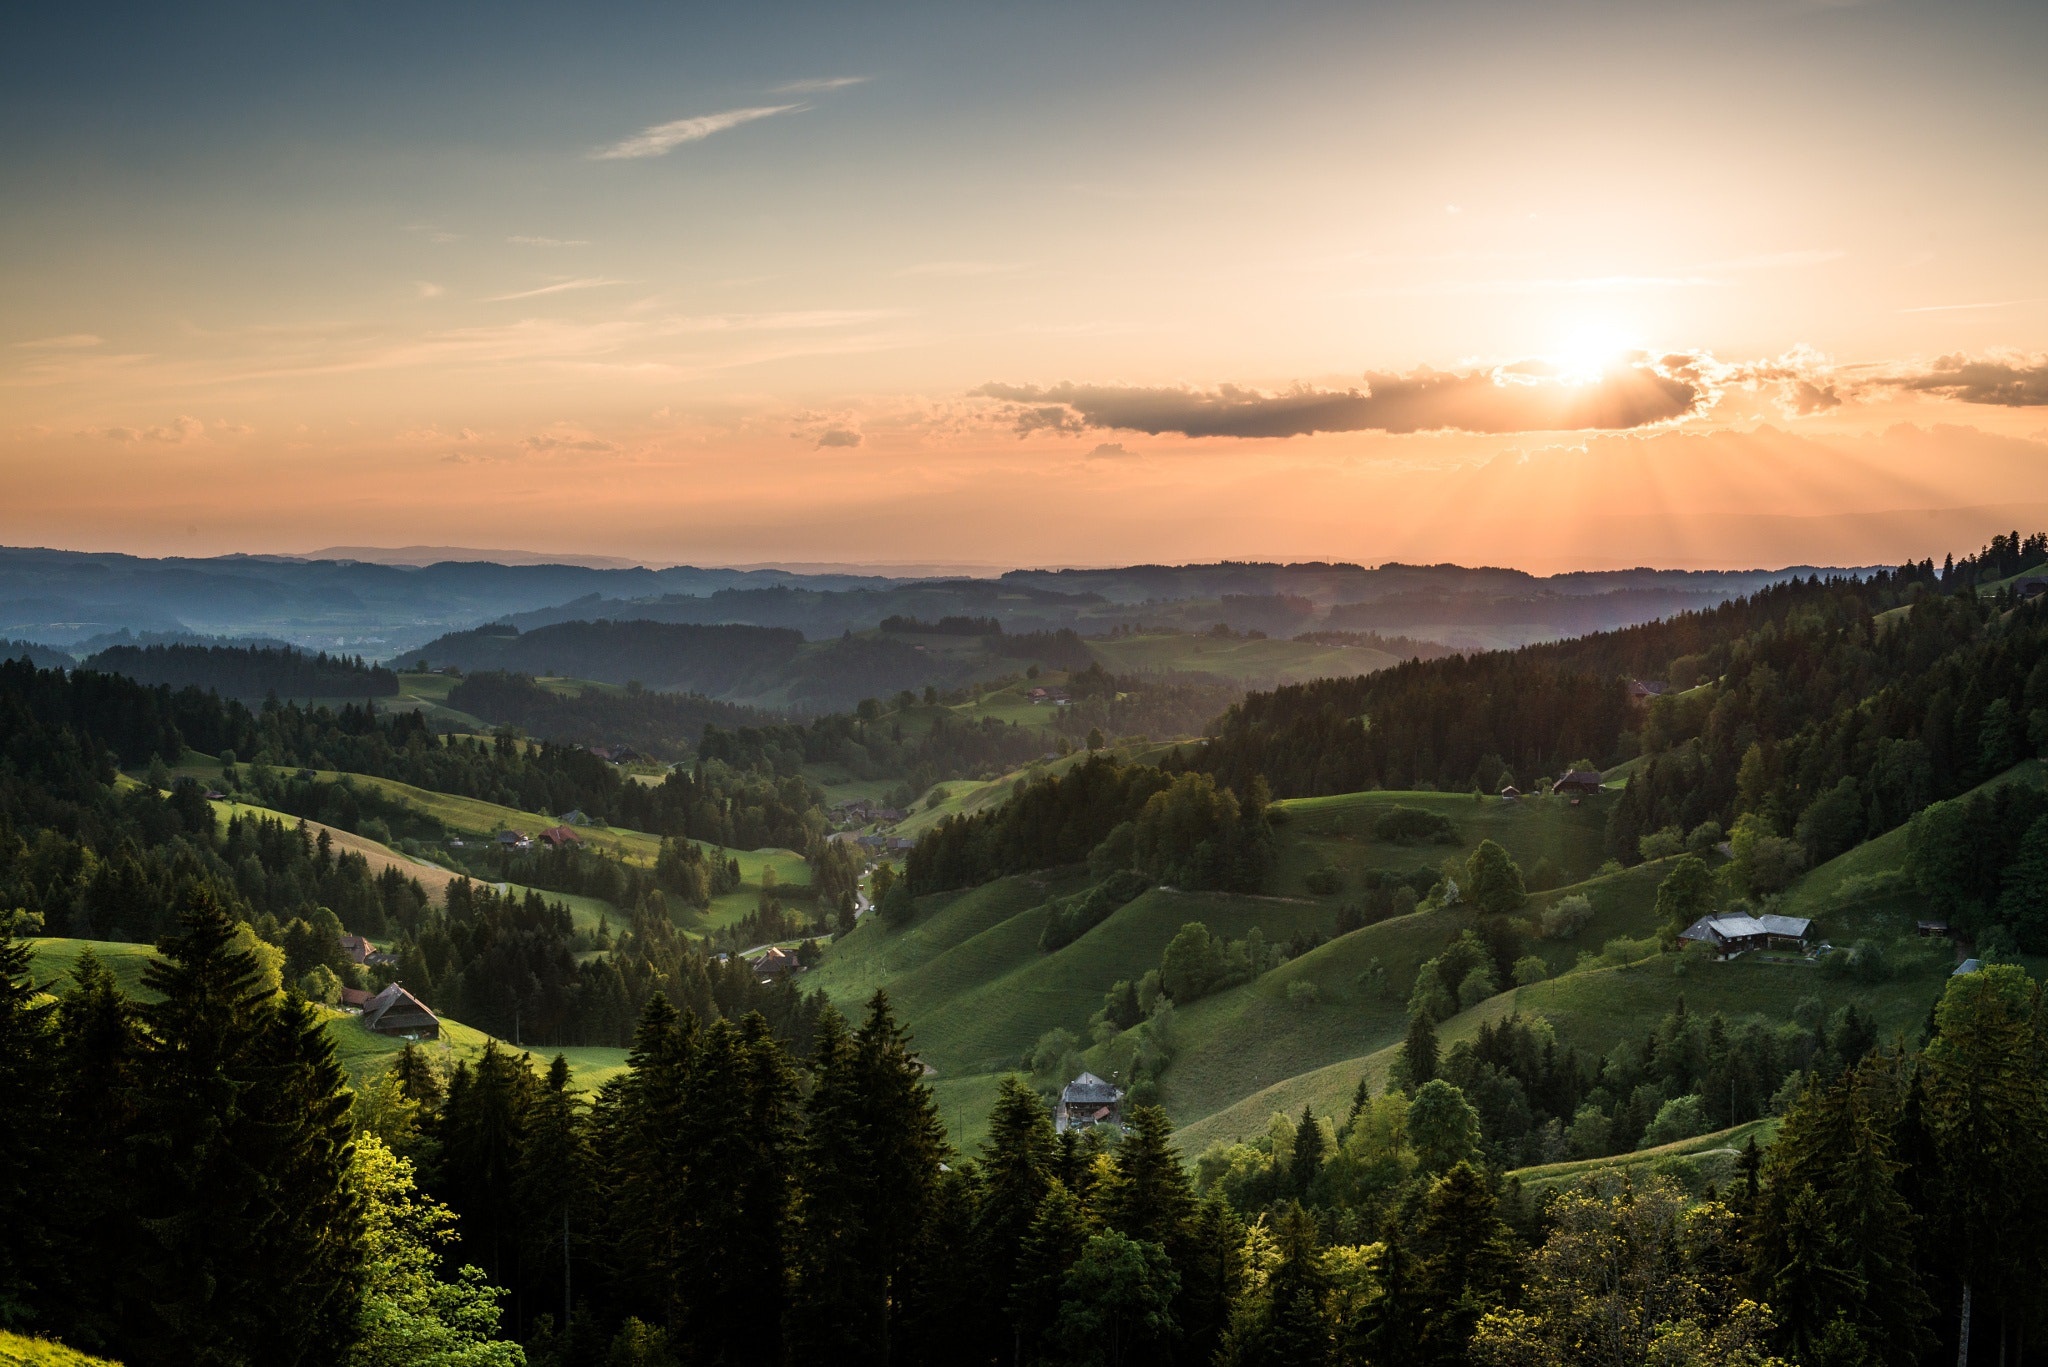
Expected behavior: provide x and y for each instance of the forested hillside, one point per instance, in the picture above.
(1443, 1069)
(248, 673)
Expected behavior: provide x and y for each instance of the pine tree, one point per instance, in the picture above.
(1418, 1050)
(1057, 1235)
(1831, 1236)
(483, 1132)
(250, 1233)
(553, 1191)
(29, 1163)
(1465, 1261)
(1148, 1197)
(1287, 1324)
(1016, 1171)
(1308, 1153)
(1986, 1116)
(98, 1042)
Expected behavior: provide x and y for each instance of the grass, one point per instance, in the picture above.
(1696, 1161)
(1235, 660)
(1337, 832)
(364, 1053)
(16, 1351)
(55, 959)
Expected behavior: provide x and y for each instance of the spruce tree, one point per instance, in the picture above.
(98, 1042)
(1147, 1196)
(1017, 1168)
(249, 1244)
(1465, 1261)
(553, 1191)
(1831, 1235)
(1057, 1235)
(1986, 1116)
(1418, 1050)
(29, 1163)
(1308, 1153)
(483, 1132)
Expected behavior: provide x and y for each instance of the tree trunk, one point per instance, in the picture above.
(1963, 1344)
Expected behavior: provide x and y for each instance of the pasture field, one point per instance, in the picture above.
(1235, 660)
(1336, 832)
(1694, 1162)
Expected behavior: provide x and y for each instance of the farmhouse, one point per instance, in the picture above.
(1731, 934)
(1642, 690)
(361, 952)
(558, 836)
(1577, 781)
(1510, 793)
(1086, 1101)
(395, 1011)
(513, 840)
(776, 964)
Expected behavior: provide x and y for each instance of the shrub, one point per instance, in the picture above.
(1624, 951)
(1661, 844)
(1414, 826)
(1324, 882)
(1530, 969)
(1679, 1118)
(1302, 993)
(1476, 987)
(1566, 917)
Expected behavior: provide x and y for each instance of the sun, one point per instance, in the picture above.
(1588, 348)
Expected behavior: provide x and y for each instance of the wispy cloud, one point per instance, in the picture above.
(582, 442)
(559, 287)
(2008, 382)
(524, 241)
(1958, 308)
(817, 86)
(70, 341)
(955, 270)
(665, 137)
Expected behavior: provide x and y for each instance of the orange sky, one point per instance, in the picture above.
(1557, 286)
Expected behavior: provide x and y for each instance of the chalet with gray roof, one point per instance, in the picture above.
(395, 1011)
(1086, 1101)
(1731, 933)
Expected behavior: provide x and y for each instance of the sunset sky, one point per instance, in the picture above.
(1553, 285)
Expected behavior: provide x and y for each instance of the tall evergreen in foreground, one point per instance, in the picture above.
(28, 1078)
(248, 1231)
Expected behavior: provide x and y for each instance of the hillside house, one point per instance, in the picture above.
(1510, 794)
(574, 818)
(1730, 934)
(778, 963)
(1087, 1101)
(513, 840)
(1578, 782)
(364, 954)
(558, 836)
(395, 1011)
(355, 998)
(1643, 690)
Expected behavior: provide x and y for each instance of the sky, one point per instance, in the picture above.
(1722, 283)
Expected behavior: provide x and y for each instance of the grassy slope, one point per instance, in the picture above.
(16, 1351)
(1236, 660)
(1338, 831)
(1706, 1158)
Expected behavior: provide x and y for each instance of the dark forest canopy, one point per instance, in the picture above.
(249, 673)
(661, 725)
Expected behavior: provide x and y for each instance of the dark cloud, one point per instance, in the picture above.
(840, 436)
(1109, 450)
(1991, 382)
(1523, 399)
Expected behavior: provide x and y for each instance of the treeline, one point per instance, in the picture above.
(661, 725)
(1532, 712)
(1179, 829)
(186, 1188)
(249, 673)
(872, 742)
